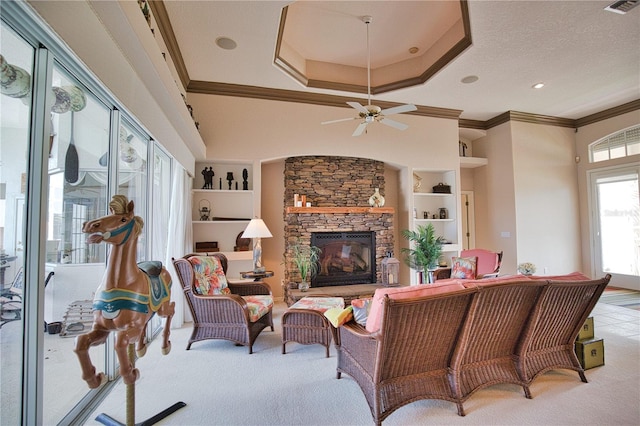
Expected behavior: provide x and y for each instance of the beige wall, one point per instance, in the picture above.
(494, 196)
(584, 137)
(546, 197)
(269, 131)
(128, 61)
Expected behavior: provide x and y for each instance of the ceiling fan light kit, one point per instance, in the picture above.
(372, 113)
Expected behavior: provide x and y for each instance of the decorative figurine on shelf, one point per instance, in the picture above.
(208, 178)
(230, 179)
(128, 296)
(463, 149)
(245, 177)
(205, 209)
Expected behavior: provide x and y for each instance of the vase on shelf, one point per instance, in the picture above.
(303, 286)
(376, 200)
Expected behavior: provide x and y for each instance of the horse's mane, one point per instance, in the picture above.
(120, 205)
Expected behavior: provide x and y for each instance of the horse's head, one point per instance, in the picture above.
(117, 227)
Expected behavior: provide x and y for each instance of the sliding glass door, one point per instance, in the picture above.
(16, 69)
(615, 205)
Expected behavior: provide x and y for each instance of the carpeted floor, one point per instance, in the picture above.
(223, 385)
(621, 297)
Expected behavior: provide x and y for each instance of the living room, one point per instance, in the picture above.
(531, 199)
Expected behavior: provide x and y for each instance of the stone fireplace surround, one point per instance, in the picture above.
(338, 189)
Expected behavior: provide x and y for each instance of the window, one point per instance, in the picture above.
(620, 144)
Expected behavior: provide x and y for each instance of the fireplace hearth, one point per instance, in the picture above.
(346, 258)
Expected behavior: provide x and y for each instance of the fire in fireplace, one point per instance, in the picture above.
(346, 258)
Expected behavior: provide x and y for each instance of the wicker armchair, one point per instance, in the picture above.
(548, 341)
(223, 316)
(408, 358)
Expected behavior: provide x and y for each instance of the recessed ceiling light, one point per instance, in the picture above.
(538, 85)
(413, 50)
(226, 43)
(470, 79)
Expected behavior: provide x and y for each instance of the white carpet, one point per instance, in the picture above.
(223, 385)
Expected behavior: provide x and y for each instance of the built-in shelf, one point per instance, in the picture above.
(432, 194)
(225, 191)
(472, 162)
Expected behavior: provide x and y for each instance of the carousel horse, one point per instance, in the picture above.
(128, 296)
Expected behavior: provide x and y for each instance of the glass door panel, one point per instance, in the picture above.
(132, 176)
(77, 193)
(618, 225)
(16, 71)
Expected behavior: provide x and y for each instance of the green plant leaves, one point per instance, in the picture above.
(426, 248)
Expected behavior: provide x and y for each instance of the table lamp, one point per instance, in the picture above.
(257, 230)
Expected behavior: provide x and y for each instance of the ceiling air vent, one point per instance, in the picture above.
(623, 6)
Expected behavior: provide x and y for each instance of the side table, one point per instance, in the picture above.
(257, 276)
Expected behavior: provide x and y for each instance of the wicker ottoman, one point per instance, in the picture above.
(304, 322)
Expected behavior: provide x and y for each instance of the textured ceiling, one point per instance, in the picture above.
(588, 58)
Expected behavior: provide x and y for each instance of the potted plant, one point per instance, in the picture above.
(305, 258)
(425, 251)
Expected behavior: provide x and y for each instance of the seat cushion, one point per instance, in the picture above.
(209, 278)
(258, 306)
(320, 304)
(375, 314)
(464, 268)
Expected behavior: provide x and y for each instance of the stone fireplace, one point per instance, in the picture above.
(338, 189)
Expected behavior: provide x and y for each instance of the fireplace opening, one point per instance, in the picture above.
(346, 258)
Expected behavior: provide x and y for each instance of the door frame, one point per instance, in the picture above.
(467, 210)
(621, 280)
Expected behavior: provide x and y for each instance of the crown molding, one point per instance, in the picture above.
(609, 113)
(256, 92)
(161, 16)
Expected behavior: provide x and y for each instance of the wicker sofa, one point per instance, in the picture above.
(448, 340)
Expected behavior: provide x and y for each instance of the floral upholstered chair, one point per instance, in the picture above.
(222, 309)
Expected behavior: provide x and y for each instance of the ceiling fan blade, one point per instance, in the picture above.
(398, 109)
(339, 120)
(393, 123)
(360, 129)
(359, 107)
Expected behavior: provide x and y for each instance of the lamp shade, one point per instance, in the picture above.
(256, 229)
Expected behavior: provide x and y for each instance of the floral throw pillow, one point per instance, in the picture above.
(209, 276)
(361, 308)
(464, 268)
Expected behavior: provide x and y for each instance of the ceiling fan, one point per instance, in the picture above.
(371, 113)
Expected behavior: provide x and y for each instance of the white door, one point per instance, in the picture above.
(615, 208)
